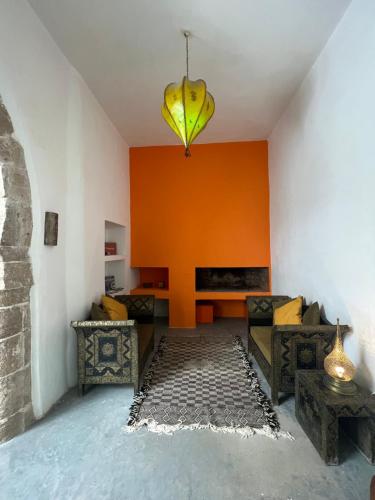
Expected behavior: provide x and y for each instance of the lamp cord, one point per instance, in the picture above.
(187, 53)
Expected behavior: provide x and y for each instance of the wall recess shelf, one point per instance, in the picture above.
(110, 258)
(115, 264)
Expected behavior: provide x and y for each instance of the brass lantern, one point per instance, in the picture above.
(187, 106)
(340, 370)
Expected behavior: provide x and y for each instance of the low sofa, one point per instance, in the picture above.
(281, 350)
(116, 352)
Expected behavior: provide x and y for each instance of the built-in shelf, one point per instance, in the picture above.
(212, 295)
(159, 293)
(153, 276)
(118, 292)
(110, 258)
(115, 264)
(232, 279)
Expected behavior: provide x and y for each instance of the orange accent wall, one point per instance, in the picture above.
(209, 210)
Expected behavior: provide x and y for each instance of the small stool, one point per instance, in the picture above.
(205, 313)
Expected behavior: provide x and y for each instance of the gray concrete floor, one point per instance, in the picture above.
(80, 452)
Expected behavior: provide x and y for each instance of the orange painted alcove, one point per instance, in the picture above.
(210, 210)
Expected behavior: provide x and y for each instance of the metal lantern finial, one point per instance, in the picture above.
(188, 106)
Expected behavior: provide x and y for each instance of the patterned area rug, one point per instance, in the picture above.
(202, 383)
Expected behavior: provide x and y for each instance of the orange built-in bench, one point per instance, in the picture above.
(224, 303)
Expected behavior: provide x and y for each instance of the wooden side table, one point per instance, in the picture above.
(318, 410)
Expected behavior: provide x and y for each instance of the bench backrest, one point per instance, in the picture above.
(260, 309)
(140, 307)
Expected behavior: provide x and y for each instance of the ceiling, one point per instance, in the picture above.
(253, 55)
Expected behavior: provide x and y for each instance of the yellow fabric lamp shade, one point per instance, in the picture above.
(187, 109)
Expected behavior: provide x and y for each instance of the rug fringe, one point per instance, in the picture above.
(169, 430)
(252, 376)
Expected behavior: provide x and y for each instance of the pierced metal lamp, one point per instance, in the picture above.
(339, 369)
(187, 106)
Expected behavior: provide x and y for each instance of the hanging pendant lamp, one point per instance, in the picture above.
(187, 106)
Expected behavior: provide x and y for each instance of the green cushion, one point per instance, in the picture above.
(262, 336)
(312, 315)
(98, 314)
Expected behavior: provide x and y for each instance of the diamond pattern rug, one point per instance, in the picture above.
(202, 383)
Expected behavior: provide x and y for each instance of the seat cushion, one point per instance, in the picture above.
(145, 336)
(262, 336)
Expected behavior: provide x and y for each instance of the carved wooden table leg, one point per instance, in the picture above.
(329, 450)
(366, 438)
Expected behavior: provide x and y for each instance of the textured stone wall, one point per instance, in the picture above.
(15, 282)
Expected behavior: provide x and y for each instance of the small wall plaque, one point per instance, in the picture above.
(51, 224)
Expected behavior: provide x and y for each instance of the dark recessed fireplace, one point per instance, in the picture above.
(232, 279)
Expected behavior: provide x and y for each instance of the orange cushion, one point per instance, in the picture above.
(115, 310)
(289, 314)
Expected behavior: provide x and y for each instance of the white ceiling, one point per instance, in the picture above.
(253, 54)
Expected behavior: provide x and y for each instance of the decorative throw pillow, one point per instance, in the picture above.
(97, 313)
(115, 310)
(280, 303)
(289, 313)
(312, 315)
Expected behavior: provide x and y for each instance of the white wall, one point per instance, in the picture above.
(78, 167)
(322, 180)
